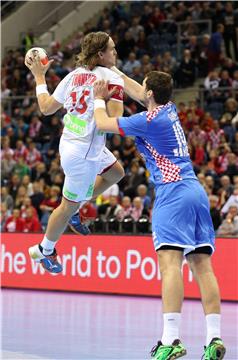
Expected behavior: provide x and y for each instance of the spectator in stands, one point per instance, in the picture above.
(136, 74)
(7, 165)
(31, 222)
(113, 210)
(125, 45)
(21, 168)
(7, 199)
(215, 136)
(142, 192)
(33, 156)
(28, 40)
(40, 172)
(212, 80)
(225, 190)
(214, 211)
(230, 21)
(226, 82)
(128, 151)
(132, 180)
(26, 181)
(21, 128)
(137, 208)
(55, 53)
(168, 63)
(232, 200)
(185, 74)
(229, 226)
(131, 63)
(21, 194)
(20, 151)
(215, 48)
(194, 47)
(14, 223)
(203, 55)
(14, 184)
(210, 183)
(49, 204)
(4, 214)
(234, 144)
(126, 208)
(37, 197)
(197, 136)
(232, 165)
(135, 28)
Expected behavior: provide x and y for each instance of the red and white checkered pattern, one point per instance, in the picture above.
(150, 115)
(170, 171)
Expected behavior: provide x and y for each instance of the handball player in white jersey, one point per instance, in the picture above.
(89, 167)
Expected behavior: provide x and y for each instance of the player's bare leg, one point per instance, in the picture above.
(45, 252)
(201, 266)
(108, 178)
(103, 182)
(170, 347)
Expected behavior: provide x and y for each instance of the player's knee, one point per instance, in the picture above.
(168, 262)
(200, 263)
(67, 208)
(119, 172)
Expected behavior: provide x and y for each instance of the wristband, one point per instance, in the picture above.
(116, 70)
(41, 89)
(99, 104)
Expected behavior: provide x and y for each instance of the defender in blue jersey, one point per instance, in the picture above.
(181, 221)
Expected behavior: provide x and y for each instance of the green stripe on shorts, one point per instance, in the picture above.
(69, 195)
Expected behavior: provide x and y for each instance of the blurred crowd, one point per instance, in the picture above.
(145, 34)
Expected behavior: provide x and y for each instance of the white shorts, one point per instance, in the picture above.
(80, 174)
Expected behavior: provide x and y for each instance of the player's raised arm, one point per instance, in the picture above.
(47, 104)
(132, 88)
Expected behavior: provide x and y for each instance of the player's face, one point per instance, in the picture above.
(147, 94)
(108, 57)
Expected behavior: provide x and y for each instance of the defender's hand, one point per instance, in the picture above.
(101, 90)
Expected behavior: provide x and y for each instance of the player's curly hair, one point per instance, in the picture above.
(161, 84)
(91, 45)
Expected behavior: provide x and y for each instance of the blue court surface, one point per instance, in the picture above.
(55, 325)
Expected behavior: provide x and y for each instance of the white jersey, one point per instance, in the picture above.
(75, 91)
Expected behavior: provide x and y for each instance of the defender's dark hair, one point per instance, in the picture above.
(91, 45)
(161, 84)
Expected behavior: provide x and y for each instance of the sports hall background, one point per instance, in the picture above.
(197, 43)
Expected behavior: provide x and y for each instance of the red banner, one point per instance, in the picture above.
(107, 264)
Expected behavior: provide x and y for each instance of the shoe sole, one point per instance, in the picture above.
(220, 352)
(75, 231)
(178, 355)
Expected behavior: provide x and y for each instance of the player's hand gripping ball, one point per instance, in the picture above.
(33, 52)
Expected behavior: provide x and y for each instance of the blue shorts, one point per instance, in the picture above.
(181, 216)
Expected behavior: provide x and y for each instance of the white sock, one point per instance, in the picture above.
(213, 327)
(48, 246)
(171, 328)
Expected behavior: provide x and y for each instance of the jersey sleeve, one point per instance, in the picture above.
(115, 81)
(134, 125)
(60, 91)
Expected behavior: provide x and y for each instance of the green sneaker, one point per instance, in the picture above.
(215, 350)
(168, 352)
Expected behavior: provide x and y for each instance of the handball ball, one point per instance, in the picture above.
(38, 51)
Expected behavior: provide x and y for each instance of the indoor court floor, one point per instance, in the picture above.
(59, 325)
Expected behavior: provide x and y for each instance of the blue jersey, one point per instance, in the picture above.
(161, 141)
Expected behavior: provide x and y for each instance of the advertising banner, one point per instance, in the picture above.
(107, 264)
